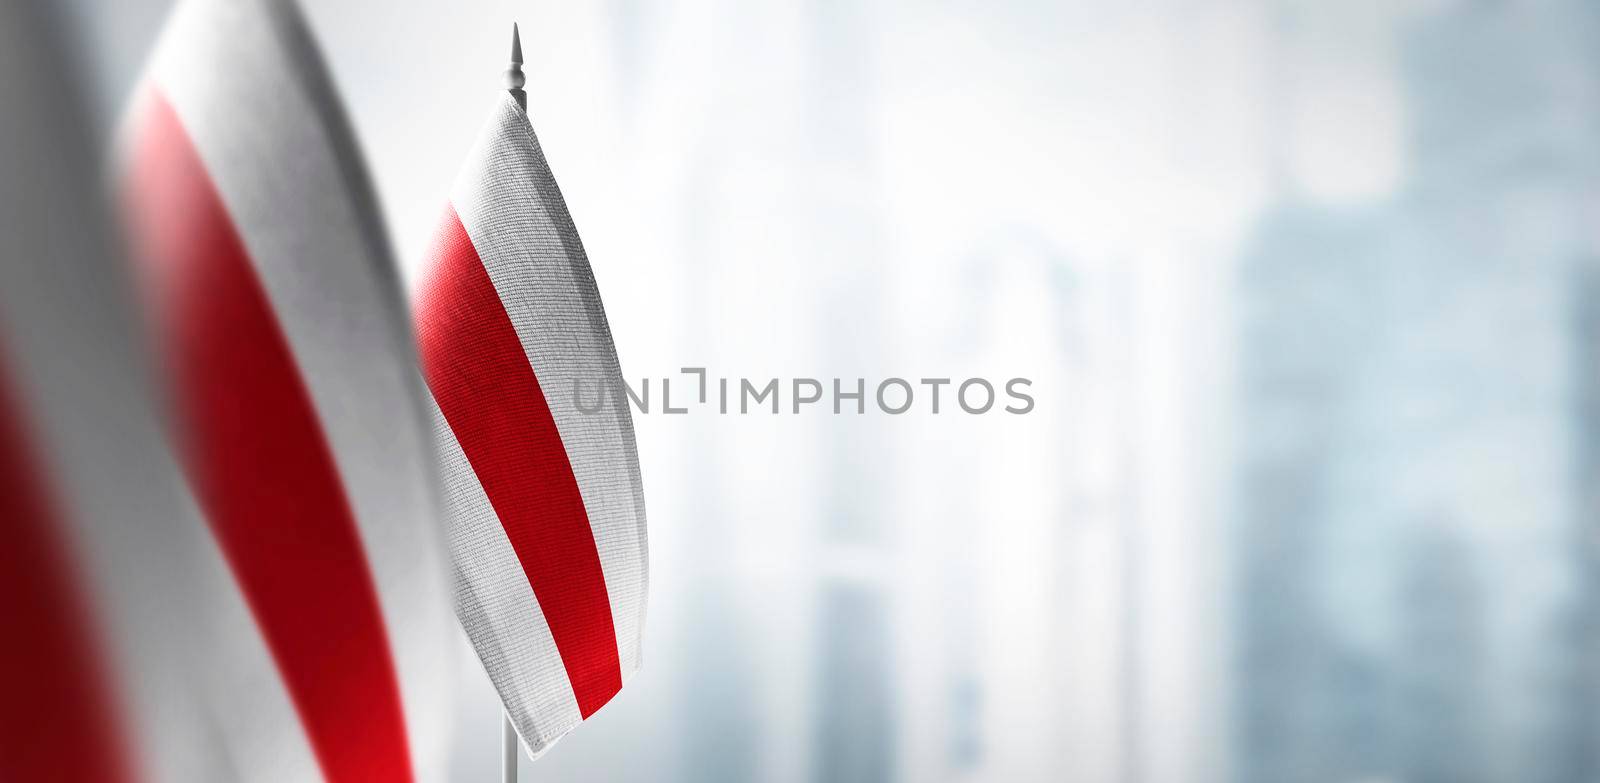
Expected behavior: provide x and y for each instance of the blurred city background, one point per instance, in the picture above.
(1309, 293)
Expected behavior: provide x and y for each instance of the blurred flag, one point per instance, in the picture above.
(97, 670)
(546, 509)
(298, 412)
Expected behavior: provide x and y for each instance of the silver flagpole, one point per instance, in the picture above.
(508, 733)
(514, 77)
(508, 751)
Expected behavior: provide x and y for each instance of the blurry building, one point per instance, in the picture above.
(1038, 690)
(854, 712)
(1414, 600)
(1305, 688)
(1441, 660)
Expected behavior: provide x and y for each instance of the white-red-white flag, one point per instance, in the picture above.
(545, 504)
(297, 410)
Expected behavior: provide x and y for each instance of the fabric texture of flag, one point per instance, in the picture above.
(545, 504)
(298, 413)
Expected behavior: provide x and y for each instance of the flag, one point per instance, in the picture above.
(58, 671)
(297, 411)
(545, 505)
(98, 665)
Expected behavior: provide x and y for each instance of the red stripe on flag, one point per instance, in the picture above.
(261, 464)
(490, 395)
(55, 713)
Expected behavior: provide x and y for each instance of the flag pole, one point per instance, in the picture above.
(508, 750)
(514, 77)
(508, 733)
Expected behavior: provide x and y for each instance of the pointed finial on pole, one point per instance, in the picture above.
(514, 77)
